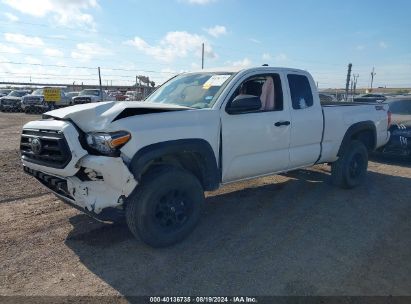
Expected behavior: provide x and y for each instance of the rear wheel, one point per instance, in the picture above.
(165, 207)
(350, 169)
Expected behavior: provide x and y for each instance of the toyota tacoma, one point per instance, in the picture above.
(150, 162)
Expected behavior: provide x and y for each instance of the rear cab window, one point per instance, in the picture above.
(300, 90)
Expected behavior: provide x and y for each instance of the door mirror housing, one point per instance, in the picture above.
(244, 104)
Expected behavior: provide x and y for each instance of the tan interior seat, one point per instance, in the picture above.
(268, 95)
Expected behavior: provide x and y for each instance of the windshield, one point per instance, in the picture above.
(89, 92)
(5, 91)
(37, 92)
(402, 107)
(18, 93)
(194, 90)
(71, 94)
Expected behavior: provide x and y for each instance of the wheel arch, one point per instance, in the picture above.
(194, 155)
(364, 131)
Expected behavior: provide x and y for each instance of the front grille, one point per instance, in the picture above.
(81, 100)
(32, 100)
(45, 147)
(54, 183)
(59, 186)
(9, 102)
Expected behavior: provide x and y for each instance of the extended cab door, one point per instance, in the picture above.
(307, 118)
(257, 142)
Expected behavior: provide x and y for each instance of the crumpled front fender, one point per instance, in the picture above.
(117, 183)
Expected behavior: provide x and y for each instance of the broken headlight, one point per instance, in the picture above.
(107, 143)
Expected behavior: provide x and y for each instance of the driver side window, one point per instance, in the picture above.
(266, 87)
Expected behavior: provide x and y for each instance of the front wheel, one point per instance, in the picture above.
(165, 207)
(350, 169)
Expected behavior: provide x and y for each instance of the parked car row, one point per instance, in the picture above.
(34, 101)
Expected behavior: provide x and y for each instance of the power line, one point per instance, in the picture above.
(84, 67)
(72, 75)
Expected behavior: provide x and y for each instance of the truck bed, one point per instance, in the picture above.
(346, 103)
(339, 116)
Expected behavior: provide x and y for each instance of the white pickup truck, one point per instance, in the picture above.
(152, 161)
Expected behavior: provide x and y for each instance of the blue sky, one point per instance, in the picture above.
(64, 41)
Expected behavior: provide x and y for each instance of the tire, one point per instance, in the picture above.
(350, 169)
(165, 207)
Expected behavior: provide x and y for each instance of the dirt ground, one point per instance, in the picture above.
(293, 234)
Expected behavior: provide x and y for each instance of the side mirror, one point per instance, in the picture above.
(244, 104)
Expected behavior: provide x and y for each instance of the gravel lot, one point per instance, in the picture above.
(284, 235)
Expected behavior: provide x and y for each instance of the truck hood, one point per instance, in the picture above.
(10, 98)
(97, 116)
(32, 96)
(89, 96)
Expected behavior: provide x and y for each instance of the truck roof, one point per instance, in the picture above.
(239, 69)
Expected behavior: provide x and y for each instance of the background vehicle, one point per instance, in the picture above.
(132, 96)
(35, 101)
(117, 95)
(327, 98)
(370, 98)
(152, 161)
(5, 92)
(90, 95)
(70, 96)
(35, 98)
(400, 140)
(12, 102)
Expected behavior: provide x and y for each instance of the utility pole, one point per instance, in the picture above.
(372, 77)
(202, 56)
(352, 85)
(355, 82)
(347, 84)
(136, 86)
(99, 80)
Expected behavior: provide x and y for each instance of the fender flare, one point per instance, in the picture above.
(210, 173)
(355, 129)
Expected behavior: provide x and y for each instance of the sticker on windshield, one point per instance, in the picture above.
(215, 81)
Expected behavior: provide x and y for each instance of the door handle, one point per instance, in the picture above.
(282, 123)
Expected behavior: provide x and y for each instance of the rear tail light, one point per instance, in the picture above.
(389, 119)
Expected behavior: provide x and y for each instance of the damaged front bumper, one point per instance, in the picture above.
(110, 183)
(91, 183)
